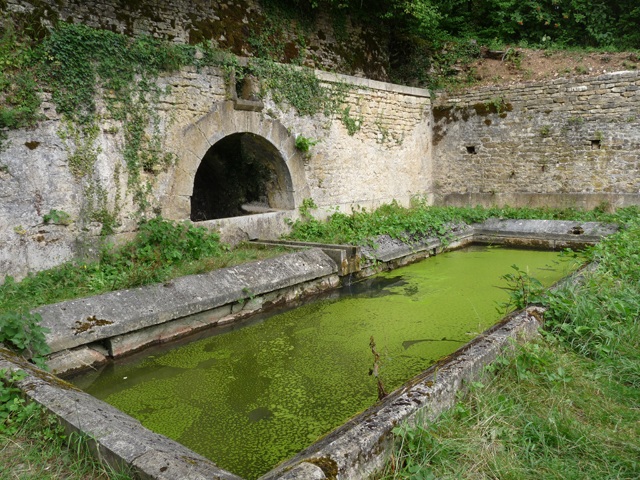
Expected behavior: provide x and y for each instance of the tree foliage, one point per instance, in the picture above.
(585, 23)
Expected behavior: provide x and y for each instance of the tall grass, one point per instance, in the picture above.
(421, 220)
(564, 407)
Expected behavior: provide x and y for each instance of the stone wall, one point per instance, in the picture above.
(235, 25)
(386, 159)
(565, 142)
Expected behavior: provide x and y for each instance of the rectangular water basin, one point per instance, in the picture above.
(248, 398)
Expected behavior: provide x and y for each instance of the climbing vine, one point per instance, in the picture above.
(97, 78)
(84, 66)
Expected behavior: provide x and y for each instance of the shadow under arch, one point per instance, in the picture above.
(241, 173)
(195, 139)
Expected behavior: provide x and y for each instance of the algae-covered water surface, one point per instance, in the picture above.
(254, 396)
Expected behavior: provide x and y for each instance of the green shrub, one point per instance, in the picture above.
(304, 144)
(21, 331)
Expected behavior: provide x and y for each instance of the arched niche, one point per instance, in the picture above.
(241, 173)
(258, 134)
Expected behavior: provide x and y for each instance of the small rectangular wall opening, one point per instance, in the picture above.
(595, 144)
(471, 149)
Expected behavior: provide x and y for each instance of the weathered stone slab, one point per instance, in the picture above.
(387, 249)
(130, 342)
(347, 257)
(304, 470)
(546, 232)
(70, 360)
(120, 440)
(84, 321)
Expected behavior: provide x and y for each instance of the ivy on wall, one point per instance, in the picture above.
(93, 75)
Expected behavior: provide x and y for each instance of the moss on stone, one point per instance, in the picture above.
(328, 466)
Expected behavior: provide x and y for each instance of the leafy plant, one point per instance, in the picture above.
(21, 331)
(522, 288)
(513, 57)
(14, 410)
(304, 144)
(57, 217)
(353, 125)
(496, 104)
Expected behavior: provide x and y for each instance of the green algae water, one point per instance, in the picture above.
(254, 396)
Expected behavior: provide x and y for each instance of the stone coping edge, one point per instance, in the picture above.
(87, 320)
(362, 445)
(358, 81)
(115, 438)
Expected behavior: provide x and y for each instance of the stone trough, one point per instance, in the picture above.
(91, 331)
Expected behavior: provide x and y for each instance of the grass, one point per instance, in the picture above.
(34, 446)
(161, 251)
(564, 407)
(420, 220)
(545, 413)
(39, 451)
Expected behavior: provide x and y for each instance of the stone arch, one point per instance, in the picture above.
(241, 173)
(288, 184)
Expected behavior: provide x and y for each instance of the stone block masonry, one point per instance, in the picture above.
(386, 158)
(562, 143)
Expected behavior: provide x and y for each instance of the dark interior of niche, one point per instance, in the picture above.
(595, 144)
(472, 150)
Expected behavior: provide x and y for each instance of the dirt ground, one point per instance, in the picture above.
(521, 65)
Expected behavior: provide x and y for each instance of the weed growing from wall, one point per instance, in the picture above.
(80, 144)
(545, 131)
(57, 217)
(352, 125)
(96, 207)
(304, 144)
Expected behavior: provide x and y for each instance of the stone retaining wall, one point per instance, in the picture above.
(342, 45)
(565, 142)
(387, 158)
